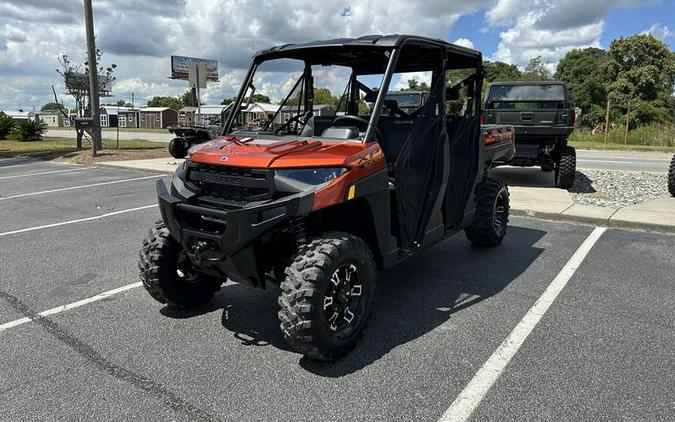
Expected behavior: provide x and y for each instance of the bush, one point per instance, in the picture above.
(649, 135)
(28, 130)
(6, 125)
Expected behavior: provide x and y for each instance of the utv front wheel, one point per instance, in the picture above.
(167, 274)
(566, 169)
(327, 295)
(492, 214)
(178, 148)
(671, 177)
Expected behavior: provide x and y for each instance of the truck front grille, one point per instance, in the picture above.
(231, 184)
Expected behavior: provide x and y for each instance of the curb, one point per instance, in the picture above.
(618, 224)
(123, 167)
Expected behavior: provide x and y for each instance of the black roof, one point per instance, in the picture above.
(365, 53)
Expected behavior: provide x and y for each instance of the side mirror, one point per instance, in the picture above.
(250, 88)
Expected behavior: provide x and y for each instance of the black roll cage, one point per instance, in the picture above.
(392, 50)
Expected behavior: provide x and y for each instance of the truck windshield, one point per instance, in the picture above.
(515, 93)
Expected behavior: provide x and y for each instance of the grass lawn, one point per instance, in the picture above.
(621, 147)
(61, 146)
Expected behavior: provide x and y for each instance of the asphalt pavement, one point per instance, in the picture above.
(624, 160)
(604, 349)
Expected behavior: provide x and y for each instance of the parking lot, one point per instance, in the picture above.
(81, 340)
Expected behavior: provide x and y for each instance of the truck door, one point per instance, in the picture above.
(421, 168)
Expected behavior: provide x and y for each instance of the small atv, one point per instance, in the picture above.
(187, 136)
(319, 204)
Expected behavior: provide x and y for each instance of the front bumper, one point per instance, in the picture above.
(231, 236)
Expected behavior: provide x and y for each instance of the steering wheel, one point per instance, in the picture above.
(361, 123)
(297, 118)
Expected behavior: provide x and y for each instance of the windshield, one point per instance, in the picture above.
(504, 93)
(411, 100)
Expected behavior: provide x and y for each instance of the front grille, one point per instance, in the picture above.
(231, 184)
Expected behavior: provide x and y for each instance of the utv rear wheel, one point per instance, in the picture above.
(671, 177)
(178, 148)
(492, 214)
(167, 274)
(566, 169)
(327, 295)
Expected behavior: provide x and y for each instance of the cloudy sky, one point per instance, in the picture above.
(140, 36)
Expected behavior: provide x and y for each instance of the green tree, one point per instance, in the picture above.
(171, 102)
(122, 103)
(50, 106)
(228, 101)
(500, 71)
(536, 70)
(415, 85)
(643, 76)
(6, 125)
(260, 98)
(585, 72)
(321, 96)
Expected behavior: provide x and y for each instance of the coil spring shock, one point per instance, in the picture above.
(299, 230)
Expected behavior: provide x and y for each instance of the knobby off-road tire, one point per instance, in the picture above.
(671, 177)
(177, 148)
(316, 287)
(566, 170)
(161, 263)
(492, 214)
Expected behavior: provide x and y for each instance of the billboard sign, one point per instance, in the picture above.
(180, 67)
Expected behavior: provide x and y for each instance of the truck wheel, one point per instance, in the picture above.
(492, 214)
(566, 170)
(671, 177)
(327, 295)
(178, 148)
(167, 274)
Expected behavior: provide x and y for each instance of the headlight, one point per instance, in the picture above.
(315, 176)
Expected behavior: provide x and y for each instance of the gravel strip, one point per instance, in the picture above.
(617, 189)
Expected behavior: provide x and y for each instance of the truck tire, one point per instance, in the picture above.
(566, 170)
(167, 275)
(492, 214)
(178, 148)
(327, 295)
(671, 177)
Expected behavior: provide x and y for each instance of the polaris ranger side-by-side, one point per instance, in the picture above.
(319, 204)
(543, 118)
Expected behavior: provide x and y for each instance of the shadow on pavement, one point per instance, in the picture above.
(582, 184)
(413, 299)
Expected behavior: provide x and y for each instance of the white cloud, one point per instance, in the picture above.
(140, 36)
(662, 32)
(464, 42)
(548, 28)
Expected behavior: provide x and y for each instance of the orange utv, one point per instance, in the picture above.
(318, 199)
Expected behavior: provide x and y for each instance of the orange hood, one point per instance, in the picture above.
(273, 153)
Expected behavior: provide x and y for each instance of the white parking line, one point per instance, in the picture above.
(73, 305)
(43, 172)
(80, 187)
(474, 392)
(79, 220)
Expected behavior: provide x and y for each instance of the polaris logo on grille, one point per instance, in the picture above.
(224, 158)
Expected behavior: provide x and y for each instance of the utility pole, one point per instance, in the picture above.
(607, 122)
(93, 79)
(625, 135)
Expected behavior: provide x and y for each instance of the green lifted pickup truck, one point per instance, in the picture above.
(543, 118)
